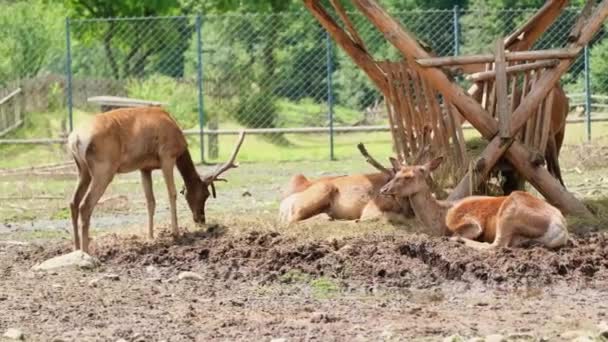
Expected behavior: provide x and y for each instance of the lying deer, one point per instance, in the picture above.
(125, 140)
(482, 222)
(353, 197)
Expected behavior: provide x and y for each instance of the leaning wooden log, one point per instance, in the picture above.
(486, 58)
(514, 69)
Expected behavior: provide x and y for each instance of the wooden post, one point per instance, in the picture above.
(502, 102)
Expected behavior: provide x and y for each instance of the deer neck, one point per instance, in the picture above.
(430, 211)
(186, 168)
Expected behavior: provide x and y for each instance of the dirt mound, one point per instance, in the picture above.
(411, 261)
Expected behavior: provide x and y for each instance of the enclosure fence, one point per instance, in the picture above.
(279, 76)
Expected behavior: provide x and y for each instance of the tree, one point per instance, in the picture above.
(130, 45)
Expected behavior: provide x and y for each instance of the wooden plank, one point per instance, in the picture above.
(391, 120)
(397, 114)
(502, 102)
(117, 101)
(565, 53)
(406, 117)
(10, 96)
(415, 119)
(486, 75)
(544, 11)
(530, 125)
(546, 124)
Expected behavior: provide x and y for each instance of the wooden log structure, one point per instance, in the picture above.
(511, 70)
(513, 115)
(509, 56)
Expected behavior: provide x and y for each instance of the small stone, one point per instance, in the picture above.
(189, 276)
(495, 338)
(282, 339)
(121, 340)
(13, 334)
(77, 258)
(585, 338)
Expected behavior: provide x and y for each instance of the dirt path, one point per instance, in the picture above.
(264, 285)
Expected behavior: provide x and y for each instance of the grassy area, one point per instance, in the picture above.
(257, 148)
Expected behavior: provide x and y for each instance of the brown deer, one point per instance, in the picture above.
(352, 197)
(129, 139)
(557, 130)
(482, 222)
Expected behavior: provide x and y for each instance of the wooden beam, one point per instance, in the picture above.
(502, 101)
(487, 58)
(356, 53)
(337, 5)
(528, 30)
(514, 69)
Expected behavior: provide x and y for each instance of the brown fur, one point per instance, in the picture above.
(340, 197)
(125, 140)
(481, 221)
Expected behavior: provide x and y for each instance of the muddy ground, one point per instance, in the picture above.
(323, 281)
(259, 286)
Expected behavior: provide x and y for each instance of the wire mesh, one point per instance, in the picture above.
(266, 72)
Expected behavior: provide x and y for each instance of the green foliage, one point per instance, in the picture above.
(599, 72)
(32, 39)
(257, 111)
(181, 97)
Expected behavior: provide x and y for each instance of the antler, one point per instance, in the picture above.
(426, 146)
(214, 176)
(373, 162)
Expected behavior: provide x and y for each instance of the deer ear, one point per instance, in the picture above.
(395, 163)
(434, 164)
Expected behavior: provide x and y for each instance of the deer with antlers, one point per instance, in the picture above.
(352, 197)
(129, 139)
(481, 222)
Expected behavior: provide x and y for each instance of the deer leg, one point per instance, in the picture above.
(84, 179)
(167, 168)
(99, 183)
(146, 180)
(308, 203)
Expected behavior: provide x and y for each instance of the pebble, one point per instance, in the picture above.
(282, 339)
(13, 334)
(78, 259)
(454, 338)
(187, 275)
(495, 338)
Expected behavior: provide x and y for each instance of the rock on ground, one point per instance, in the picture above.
(13, 334)
(78, 259)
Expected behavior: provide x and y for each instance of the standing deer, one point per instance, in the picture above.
(482, 222)
(129, 139)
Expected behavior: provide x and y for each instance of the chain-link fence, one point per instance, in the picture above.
(279, 75)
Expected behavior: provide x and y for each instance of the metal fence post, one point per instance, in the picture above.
(456, 25)
(330, 97)
(68, 70)
(199, 78)
(587, 94)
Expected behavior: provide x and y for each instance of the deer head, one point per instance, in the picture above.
(409, 180)
(197, 195)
